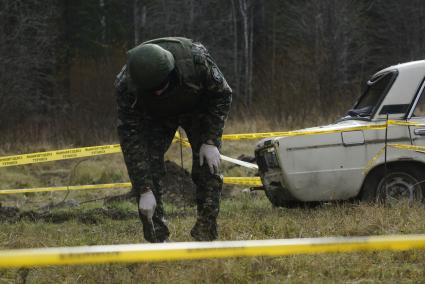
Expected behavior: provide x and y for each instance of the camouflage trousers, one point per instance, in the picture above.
(157, 136)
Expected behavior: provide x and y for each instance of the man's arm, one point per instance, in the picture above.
(218, 96)
(133, 143)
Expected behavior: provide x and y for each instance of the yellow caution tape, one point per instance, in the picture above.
(253, 136)
(65, 154)
(372, 161)
(405, 123)
(249, 136)
(183, 141)
(253, 181)
(66, 188)
(57, 155)
(204, 250)
(74, 153)
(407, 147)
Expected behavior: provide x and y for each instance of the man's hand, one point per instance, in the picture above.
(147, 204)
(212, 156)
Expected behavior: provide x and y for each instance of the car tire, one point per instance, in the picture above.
(394, 184)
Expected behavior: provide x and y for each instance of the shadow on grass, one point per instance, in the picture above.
(87, 216)
(114, 211)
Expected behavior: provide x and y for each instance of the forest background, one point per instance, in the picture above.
(291, 63)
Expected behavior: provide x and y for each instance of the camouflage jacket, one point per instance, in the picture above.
(213, 97)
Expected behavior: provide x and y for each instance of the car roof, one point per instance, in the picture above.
(404, 66)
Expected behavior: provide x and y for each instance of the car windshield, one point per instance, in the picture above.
(376, 88)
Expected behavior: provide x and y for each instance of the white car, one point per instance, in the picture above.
(345, 160)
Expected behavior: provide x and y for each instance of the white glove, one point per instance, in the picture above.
(212, 156)
(147, 204)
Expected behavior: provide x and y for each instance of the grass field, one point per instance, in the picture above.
(243, 217)
(83, 220)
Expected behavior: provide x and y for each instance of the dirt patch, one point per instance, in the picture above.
(9, 213)
(92, 216)
(178, 187)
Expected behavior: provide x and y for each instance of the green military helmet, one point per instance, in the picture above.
(149, 66)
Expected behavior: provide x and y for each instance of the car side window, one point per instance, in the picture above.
(420, 106)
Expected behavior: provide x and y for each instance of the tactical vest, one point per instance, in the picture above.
(185, 96)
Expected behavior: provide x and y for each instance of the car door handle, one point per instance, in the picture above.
(420, 131)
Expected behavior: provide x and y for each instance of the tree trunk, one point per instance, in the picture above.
(250, 55)
(139, 18)
(235, 46)
(245, 27)
(102, 20)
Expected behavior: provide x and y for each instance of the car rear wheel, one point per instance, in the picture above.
(396, 184)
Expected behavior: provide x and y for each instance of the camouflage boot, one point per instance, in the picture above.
(204, 231)
(155, 230)
(205, 228)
